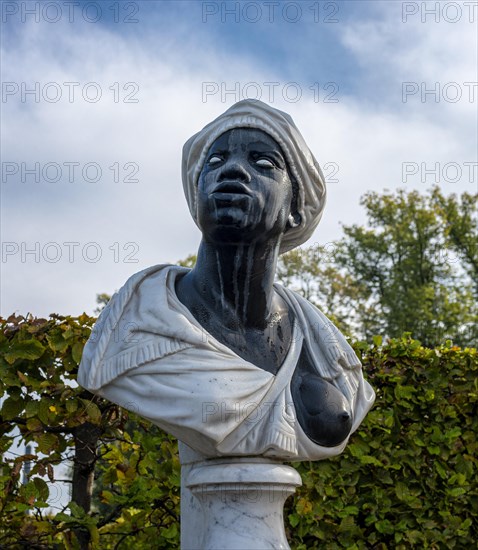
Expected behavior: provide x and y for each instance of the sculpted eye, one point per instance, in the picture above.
(215, 159)
(265, 163)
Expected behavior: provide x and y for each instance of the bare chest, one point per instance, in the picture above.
(266, 348)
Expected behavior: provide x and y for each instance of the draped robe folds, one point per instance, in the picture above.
(149, 354)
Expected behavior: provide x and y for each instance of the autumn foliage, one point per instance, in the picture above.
(407, 479)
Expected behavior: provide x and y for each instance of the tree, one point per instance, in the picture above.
(460, 218)
(102, 301)
(413, 268)
(63, 423)
(313, 273)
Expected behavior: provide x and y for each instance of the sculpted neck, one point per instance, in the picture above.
(237, 281)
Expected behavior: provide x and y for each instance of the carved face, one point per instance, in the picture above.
(244, 189)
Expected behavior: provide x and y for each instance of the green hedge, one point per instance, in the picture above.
(407, 479)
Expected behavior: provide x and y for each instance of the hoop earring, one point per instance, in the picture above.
(291, 221)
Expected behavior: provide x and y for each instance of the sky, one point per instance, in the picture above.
(98, 99)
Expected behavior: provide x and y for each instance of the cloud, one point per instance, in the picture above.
(368, 135)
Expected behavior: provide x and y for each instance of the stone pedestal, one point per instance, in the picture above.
(235, 503)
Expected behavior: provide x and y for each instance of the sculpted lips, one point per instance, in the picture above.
(230, 191)
(231, 188)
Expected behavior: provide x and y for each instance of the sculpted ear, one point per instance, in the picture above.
(294, 219)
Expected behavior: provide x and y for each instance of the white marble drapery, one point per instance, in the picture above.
(150, 355)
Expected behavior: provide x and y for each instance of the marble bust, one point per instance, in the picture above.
(220, 356)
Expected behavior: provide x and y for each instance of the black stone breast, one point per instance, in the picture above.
(322, 410)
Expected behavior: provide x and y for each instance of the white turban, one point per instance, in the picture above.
(251, 113)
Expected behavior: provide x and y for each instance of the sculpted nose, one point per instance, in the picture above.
(234, 170)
